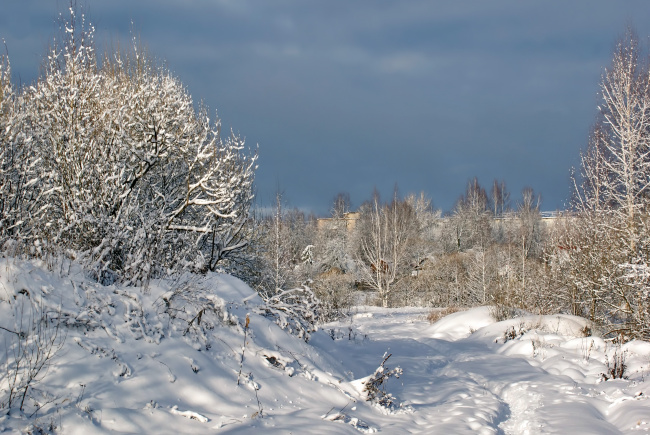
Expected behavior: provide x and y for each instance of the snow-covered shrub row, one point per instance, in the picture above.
(111, 163)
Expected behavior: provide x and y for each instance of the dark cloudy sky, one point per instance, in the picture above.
(347, 95)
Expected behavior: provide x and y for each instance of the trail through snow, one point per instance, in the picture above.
(474, 383)
(128, 366)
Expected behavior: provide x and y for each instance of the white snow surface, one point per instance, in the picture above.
(127, 367)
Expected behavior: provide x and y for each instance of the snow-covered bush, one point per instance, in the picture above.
(193, 308)
(500, 311)
(335, 290)
(437, 314)
(117, 168)
(17, 168)
(296, 310)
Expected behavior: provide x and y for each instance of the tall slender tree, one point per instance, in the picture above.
(611, 199)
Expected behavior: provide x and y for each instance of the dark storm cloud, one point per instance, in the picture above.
(345, 96)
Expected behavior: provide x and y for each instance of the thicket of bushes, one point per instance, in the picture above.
(108, 161)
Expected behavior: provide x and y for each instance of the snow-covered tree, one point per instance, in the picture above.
(10, 157)
(610, 241)
(625, 112)
(130, 177)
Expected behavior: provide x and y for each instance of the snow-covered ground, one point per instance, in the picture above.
(168, 359)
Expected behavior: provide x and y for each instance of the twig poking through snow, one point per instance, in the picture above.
(375, 386)
(243, 349)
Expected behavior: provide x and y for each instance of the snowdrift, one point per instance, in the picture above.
(193, 355)
(162, 359)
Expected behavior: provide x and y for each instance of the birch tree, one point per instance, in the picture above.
(388, 232)
(529, 232)
(625, 112)
(611, 244)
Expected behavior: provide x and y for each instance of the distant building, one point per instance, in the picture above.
(348, 221)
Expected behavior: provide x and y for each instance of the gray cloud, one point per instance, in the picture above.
(349, 95)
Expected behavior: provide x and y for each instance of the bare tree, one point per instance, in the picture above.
(529, 233)
(387, 233)
(500, 198)
(500, 206)
(340, 205)
(287, 247)
(469, 225)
